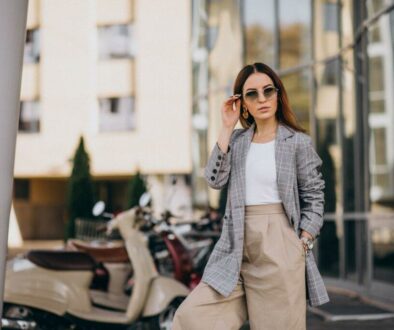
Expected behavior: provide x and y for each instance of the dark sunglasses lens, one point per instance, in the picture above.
(252, 95)
(268, 92)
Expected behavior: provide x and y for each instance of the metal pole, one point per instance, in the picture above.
(13, 15)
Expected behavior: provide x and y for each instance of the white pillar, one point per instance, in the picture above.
(13, 15)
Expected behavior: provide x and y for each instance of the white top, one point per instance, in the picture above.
(260, 174)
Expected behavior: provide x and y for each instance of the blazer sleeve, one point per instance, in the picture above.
(217, 170)
(310, 187)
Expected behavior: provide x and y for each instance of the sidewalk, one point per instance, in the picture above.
(347, 311)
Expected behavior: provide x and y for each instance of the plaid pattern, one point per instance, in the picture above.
(300, 186)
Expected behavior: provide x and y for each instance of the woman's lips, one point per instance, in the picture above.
(263, 109)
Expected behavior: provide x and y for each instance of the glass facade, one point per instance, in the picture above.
(340, 81)
(380, 52)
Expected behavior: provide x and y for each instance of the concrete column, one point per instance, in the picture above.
(13, 15)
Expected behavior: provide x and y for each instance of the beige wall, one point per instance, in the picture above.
(69, 79)
(163, 76)
(30, 82)
(109, 11)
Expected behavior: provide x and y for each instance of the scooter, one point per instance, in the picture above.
(114, 272)
(51, 289)
(179, 257)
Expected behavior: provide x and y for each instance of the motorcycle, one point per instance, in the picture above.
(183, 251)
(51, 289)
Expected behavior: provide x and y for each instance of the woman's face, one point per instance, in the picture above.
(259, 96)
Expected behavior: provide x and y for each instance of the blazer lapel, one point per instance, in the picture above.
(280, 156)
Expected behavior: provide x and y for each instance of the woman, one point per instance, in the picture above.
(261, 268)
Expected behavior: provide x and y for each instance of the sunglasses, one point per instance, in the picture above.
(253, 95)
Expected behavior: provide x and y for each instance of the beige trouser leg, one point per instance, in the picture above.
(205, 308)
(273, 270)
(271, 288)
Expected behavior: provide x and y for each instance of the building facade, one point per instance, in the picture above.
(336, 61)
(106, 70)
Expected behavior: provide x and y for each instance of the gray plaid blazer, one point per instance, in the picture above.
(300, 186)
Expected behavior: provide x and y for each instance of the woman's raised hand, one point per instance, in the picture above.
(229, 115)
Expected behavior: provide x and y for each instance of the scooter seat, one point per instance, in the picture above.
(108, 254)
(62, 260)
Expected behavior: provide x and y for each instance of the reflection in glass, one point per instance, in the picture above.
(328, 147)
(298, 89)
(330, 16)
(381, 153)
(383, 252)
(259, 30)
(295, 41)
(376, 76)
(329, 250)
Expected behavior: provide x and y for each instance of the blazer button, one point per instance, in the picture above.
(217, 163)
(225, 216)
(215, 170)
(219, 157)
(212, 178)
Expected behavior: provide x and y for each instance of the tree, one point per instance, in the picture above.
(80, 191)
(136, 188)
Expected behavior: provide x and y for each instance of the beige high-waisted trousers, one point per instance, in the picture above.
(271, 289)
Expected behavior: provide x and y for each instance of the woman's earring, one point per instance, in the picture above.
(245, 113)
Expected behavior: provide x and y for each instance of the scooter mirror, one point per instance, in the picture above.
(144, 199)
(98, 208)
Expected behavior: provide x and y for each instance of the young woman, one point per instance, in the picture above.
(262, 268)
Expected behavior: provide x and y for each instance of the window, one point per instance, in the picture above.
(379, 138)
(374, 33)
(376, 73)
(117, 114)
(330, 17)
(330, 76)
(29, 118)
(32, 46)
(115, 41)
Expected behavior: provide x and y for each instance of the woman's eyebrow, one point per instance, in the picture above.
(263, 87)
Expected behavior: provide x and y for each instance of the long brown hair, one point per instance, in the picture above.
(284, 113)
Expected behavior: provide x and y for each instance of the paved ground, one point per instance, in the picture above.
(317, 323)
(344, 306)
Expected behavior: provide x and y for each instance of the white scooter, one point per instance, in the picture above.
(50, 289)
